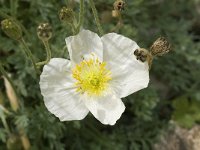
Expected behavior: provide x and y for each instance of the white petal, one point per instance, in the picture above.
(57, 88)
(83, 44)
(129, 75)
(107, 109)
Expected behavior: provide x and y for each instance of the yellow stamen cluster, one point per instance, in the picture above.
(92, 76)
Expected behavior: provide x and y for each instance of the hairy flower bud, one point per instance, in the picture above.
(11, 29)
(44, 31)
(66, 15)
(119, 5)
(160, 47)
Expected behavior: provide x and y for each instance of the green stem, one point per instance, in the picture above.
(28, 53)
(81, 15)
(13, 7)
(4, 15)
(48, 52)
(4, 73)
(3, 119)
(64, 51)
(94, 10)
(5, 110)
(119, 24)
(73, 28)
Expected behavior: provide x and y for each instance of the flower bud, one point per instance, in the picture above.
(44, 31)
(11, 29)
(66, 15)
(160, 47)
(119, 5)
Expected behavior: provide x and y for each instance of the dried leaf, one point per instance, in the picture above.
(11, 95)
(25, 141)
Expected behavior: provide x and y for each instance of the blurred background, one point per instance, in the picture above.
(164, 116)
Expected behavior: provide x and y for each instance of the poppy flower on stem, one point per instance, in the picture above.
(100, 72)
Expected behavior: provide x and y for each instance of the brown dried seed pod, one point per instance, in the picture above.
(143, 58)
(160, 47)
(44, 31)
(144, 55)
(119, 5)
(136, 52)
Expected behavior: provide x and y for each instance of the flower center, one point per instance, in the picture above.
(92, 76)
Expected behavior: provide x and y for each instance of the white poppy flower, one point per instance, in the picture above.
(101, 71)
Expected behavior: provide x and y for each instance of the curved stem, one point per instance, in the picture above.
(28, 53)
(73, 28)
(119, 24)
(94, 10)
(81, 15)
(48, 52)
(64, 51)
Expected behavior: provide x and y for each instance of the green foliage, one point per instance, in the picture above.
(145, 101)
(147, 112)
(21, 121)
(186, 112)
(2, 134)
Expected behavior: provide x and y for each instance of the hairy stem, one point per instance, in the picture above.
(28, 53)
(94, 10)
(119, 24)
(81, 15)
(48, 52)
(13, 7)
